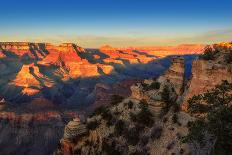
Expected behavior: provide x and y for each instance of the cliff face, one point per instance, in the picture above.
(137, 124)
(108, 130)
(206, 74)
(40, 130)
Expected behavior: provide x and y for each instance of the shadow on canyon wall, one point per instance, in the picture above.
(77, 91)
(42, 138)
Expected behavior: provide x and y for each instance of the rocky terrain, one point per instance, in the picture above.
(44, 86)
(154, 119)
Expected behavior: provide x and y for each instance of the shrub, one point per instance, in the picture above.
(109, 149)
(228, 57)
(119, 127)
(130, 104)
(99, 111)
(92, 125)
(154, 85)
(144, 85)
(143, 104)
(108, 117)
(209, 53)
(132, 135)
(115, 99)
(165, 95)
(175, 118)
(156, 133)
(144, 117)
(217, 121)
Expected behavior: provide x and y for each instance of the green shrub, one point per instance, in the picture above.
(143, 104)
(144, 117)
(119, 127)
(154, 85)
(115, 99)
(130, 104)
(108, 117)
(165, 95)
(217, 121)
(109, 149)
(92, 125)
(228, 57)
(132, 135)
(209, 53)
(99, 111)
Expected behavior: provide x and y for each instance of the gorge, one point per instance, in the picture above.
(45, 86)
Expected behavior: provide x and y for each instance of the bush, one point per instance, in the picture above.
(144, 85)
(92, 125)
(99, 111)
(175, 118)
(109, 149)
(144, 117)
(209, 53)
(115, 99)
(228, 57)
(132, 135)
(156, 133)
(154, 85)
(217, 121)
(143, 104)
(130, 104)
(108, 117)
(165, 95)
(119, 127)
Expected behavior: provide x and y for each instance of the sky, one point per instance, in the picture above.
(120, 23)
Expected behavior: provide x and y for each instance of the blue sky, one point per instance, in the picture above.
(92, 23)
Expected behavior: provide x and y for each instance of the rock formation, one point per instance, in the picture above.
(109, 127)
(74, 129)
(44, 85)
(151, 90)
(128, 127)
(206, 74)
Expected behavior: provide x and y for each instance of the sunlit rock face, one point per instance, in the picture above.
(69, 71)
(206, 74)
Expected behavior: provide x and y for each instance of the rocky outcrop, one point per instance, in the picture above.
(206, 74)
(74, 129)
(151, 90)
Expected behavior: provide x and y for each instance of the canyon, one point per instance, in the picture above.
(154, 118)
(44, 86)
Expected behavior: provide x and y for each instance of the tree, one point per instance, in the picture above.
(209, 53)
(216, 107)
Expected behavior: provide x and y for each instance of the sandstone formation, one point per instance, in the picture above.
(151, 90)
(74, 129)
(207, 71)
(41, 82)
(206, 74)
(103, 127)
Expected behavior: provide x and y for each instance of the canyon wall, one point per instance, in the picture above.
(206, 74)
